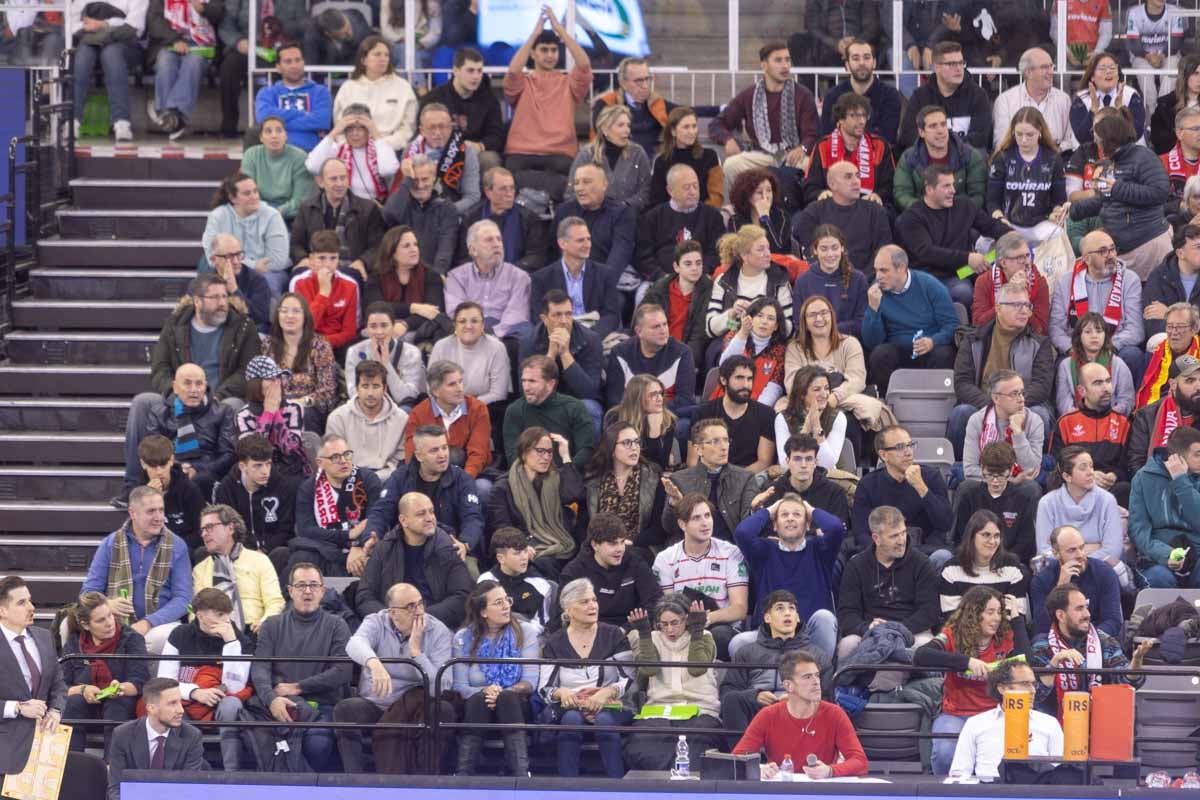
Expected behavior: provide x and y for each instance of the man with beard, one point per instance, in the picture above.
(751, 425)
(1182, 324)
(1064, 644)
(859, 60)
(1100, 282)
(370, 422)
(331, 511)
(806, 479)
(967, 105)
(574, 347)
(1163, 519)
(1180, 406)
(1072, 566)
(1097, 428)
(457, 176)
(792, 547)
(542, 405)
(729, 488)
(525, 235)
(161, 741)
(849, 141)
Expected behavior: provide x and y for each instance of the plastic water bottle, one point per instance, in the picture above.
(683, 767)
(787, 768)
(918, 335)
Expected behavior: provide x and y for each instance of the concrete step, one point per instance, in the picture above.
(212, 166)
(158, 253)
(47, 553)
(54, 589)
(121, 315)
(90, 484)
(61, 517)
(82, 347)
(106, 414)
(105, 193)
(110, 284)
(131, 224)
(86, 380)
(56, 447)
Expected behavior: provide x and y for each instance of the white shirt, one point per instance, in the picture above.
(10, 706)
(981, 743)
(711, 574)
(1055, 109)
(151, 735)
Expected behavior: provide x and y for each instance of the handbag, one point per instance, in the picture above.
(1054, 256)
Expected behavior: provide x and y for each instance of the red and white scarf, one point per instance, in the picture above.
(1166, 419)
(1093, 659)
(863, 155)
(1079, 298)
(1177, 165)
(999, 280)
(345, 154)
(185, 19)
(325, 501)
(990, 432)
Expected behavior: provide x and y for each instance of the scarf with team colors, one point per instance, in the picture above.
(1155, 379)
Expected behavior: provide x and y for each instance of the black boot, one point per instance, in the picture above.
(516, 752)
(469, 746)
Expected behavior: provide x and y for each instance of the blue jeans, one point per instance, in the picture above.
(596, 411)
(571, 742)
(1134, 358)
(177, 81)
(940, 558)
(1160, 576)
(116, 60)
(956, 427)
(942, 755)
(318, 744)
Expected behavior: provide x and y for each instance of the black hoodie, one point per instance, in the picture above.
(269, 513)
(906, 592)
(822, 493)
(619, 589)
(182, 504)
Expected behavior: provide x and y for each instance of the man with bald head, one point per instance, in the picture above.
(417, 552)
(681, 218)
(199, 427)
(1098, 428)
(357, 220)
(394, 692)
(864, 223)
(612, 224)
(1100, 282)
(248, 290)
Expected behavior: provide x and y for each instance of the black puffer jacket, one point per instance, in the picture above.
(1133, 211)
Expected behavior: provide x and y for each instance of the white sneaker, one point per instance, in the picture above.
(152, 113)
(178, 133)
(122, 131)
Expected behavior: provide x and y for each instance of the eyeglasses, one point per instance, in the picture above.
(1105, 68)
(989, 536)
(1103, 251)
(1192, 129)
(668, 624)
(1017, 305)
(501, 602)
(995, 476)
(899, 446)
(408, 607)
(544, 452)
(211, 527)
(953, 64)
(340, 458)
(630, 444)
(218, 297)
(1021, 259)
(1013, 395)
(824, 312)
(308, 587)
(229, 256)
(717, 441)
(1181, 327)
(653, 393)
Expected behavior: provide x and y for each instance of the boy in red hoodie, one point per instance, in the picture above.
(332, 296)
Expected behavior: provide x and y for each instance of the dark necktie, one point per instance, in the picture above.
(158, 760)
(1107, 101)
(35, 674)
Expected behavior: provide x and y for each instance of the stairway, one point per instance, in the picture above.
(81, 349)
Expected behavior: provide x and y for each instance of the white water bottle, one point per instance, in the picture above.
(682, 762)
(787, 768)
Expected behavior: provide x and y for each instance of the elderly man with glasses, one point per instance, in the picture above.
(398, 690)
(1006, 418)
(1036, 89)
(1006, 343)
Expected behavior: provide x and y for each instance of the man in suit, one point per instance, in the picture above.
(31, 686)
(591, 286)
(160, 741)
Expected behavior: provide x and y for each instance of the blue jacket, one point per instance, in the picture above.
(924, 306)
(1163, 285)
(456, 506)
(599, 293)
(1162, 508)
(806, 573)
(613, 227)
(306, 111)
(931, 513)
(582, 379)
(1099, 585)
(850, 303)
(175, 594)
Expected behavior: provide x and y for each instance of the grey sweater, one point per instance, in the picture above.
(294, 634)
(377, 637)
(1029, 444)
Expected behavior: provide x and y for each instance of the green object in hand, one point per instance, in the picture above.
(267, 54)
(123, 594)
(106, 693)
(1179, 553)
(204, 51)
(967, 271)
(1079, 50)
(312, 703)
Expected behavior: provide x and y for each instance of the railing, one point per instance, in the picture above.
(436, 726)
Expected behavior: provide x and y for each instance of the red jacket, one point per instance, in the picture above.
(335, 317)
(471, 432)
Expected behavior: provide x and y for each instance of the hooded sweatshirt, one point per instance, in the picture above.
(263, 234)
(765, 649)
(378, 444)
(1096, 516)
(906, 592)
(1162, 508)
(619, 589)
(270, 512)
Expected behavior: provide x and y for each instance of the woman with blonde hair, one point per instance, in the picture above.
(644, 408)
(681, 145)
(588, 695)
(623, 160)
(751, 275)
(1027, 185)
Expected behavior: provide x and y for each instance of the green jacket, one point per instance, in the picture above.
(560, 413)
(970, 173)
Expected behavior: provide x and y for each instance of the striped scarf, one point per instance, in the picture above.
(1155, 379)
(186, 440)
(120, 571)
